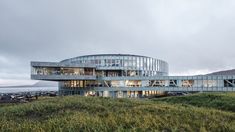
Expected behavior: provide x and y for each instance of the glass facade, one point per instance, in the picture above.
(122, 75)
(143, 66)
(62, 71)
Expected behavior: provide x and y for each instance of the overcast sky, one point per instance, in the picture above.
(193, 36)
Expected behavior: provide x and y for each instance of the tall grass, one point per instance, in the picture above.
(75, 113)
(222, 101)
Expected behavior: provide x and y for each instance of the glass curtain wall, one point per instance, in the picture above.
(130, 64)
(62, 71)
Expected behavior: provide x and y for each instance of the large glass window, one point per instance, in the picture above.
(157, 83)
(159, 65)
(229, 83)
(133, 83)
(187, 83)
(113, 63)
(117, 84)
(73, 84)
(129, 62)
(62, 71)
(116, 62)
(131, 73)
(137, 62)
(145, 63)
(173, 83)
(151, 64)
(114, 73)
(134, 63)
(154, 65)
(125, 61)
(148, 64)
(141, 63)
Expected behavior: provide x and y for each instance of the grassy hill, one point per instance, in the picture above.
(221, 101)
(75, 113)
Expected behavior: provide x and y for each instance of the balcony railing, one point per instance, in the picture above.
(63, 77)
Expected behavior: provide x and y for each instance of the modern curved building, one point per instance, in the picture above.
(122, 75)
(122, 64)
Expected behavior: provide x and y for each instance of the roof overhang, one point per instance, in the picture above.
(57, 64)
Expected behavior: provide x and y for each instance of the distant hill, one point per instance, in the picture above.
(46, 84)
(38, 84)
(226, 72)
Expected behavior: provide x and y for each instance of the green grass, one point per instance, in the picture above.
(221, 101)
(75, 113)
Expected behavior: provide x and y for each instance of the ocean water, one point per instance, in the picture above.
(26, 89)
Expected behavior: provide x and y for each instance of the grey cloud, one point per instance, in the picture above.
(190, 35)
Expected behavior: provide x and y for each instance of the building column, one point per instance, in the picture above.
(124, 94)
